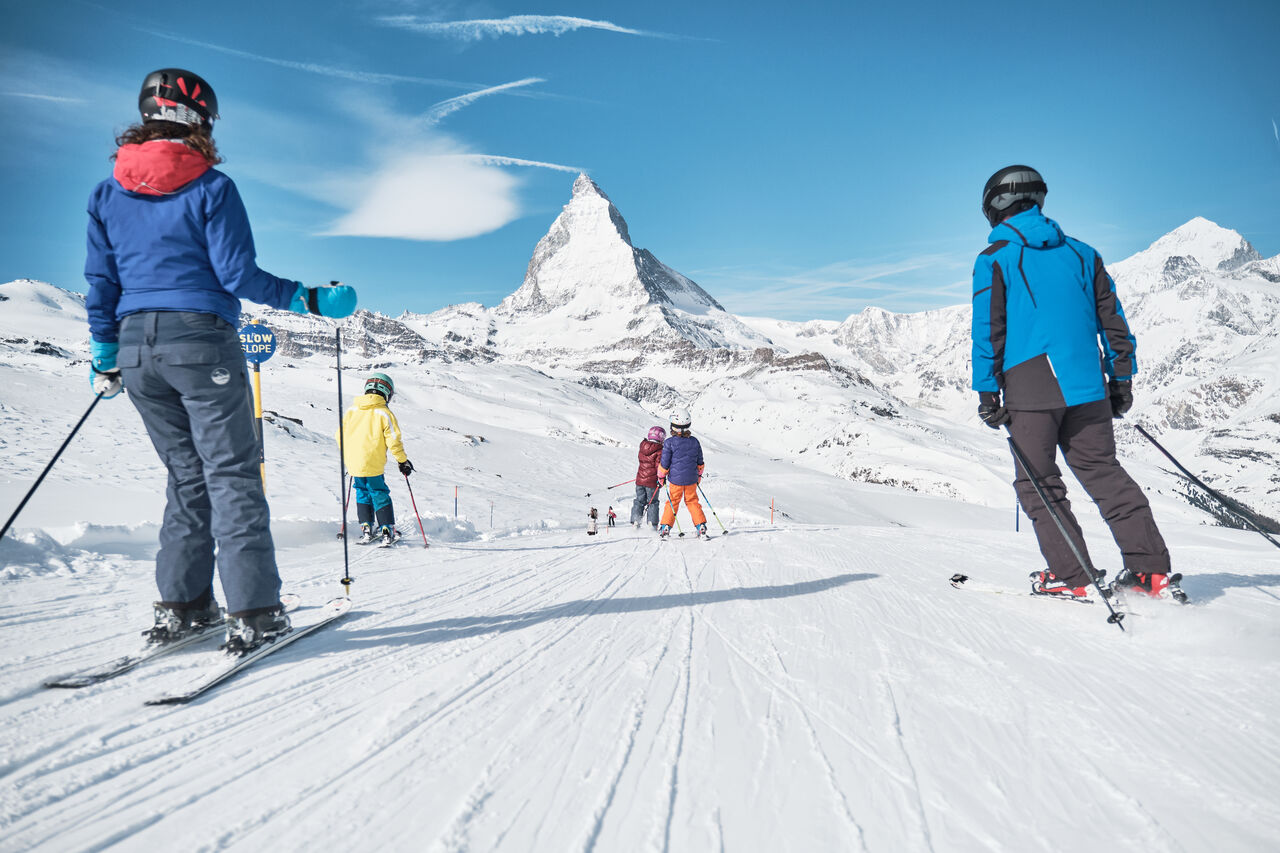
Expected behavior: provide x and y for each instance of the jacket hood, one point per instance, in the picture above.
(1030, 228)
(158, 167)
(371, 401)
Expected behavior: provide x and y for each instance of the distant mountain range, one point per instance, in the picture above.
(880, 397)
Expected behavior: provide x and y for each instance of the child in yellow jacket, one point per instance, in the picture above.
(369, 432)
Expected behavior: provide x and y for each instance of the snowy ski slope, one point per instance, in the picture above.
(809, 683)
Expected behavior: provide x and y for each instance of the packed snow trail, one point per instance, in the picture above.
(807, 688)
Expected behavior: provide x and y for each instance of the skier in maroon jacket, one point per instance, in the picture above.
(645, 506)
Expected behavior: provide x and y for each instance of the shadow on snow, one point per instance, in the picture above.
(446, 630)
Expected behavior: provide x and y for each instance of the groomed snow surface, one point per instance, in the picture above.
(807, 684)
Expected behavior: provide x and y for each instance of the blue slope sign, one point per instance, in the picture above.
(258, 341)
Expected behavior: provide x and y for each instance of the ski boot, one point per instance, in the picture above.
(246, 633)
(1047, 583)
(664, 531)
(390, 536)
(366, 535)
(1152, 584)
(702, 531)
(172, 623)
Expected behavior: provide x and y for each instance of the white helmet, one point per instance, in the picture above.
(680, 419)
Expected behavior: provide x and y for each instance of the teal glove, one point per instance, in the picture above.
(336, 301)
(103, 355)
(104, 378)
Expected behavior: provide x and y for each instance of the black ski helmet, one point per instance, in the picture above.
(1009, 186)
(172, 94)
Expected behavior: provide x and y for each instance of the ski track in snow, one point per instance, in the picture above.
(792, 689)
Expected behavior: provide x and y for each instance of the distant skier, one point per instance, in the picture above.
(1049, 332)
(681, 468)
(592, 517)
(170, 256)
(612, 515)
(646, 499)
(369, 432)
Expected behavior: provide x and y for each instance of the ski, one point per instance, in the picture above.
(960, 581)
(229, 666)
(104, 672)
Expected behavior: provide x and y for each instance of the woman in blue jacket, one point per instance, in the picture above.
(170, 256)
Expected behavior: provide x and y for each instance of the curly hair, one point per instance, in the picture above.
(197, 137)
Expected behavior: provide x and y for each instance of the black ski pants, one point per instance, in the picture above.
(1087, 439)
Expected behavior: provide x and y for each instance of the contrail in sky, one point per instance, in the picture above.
(516, 25)
(452, 105)
(326, 70)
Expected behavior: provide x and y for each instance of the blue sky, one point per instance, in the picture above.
(799, 160)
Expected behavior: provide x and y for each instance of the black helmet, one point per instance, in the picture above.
(1008, 186)
(172, 94)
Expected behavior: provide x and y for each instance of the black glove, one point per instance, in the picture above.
(406, 467)
(662, 481)
(1121, 393)
(992, 413)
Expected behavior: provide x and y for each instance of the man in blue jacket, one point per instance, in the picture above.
(1050, 335)
(170, 256)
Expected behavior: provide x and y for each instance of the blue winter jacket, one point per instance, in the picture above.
(681, 460)
(188, 250)
(1042, 302)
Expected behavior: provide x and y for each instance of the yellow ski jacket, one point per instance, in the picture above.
(369, 431)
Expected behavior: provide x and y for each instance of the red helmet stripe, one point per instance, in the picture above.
(182, 84)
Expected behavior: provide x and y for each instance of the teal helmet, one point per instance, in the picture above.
(380, 383)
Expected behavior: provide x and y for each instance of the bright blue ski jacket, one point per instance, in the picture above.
(1048, 328)
(176, 248)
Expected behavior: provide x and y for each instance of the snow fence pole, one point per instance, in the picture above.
(49, 467)
(415, 511)
(1115, 617)
(713, 509)
(1235, 510)
(342, 469)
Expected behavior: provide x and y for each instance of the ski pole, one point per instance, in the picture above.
(1115, 617)
(713, 510)
(49, 467)
(615, 485)
(415, 510)
(342, 470)
(1244, 516)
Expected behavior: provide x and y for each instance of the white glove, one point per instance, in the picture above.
(107, 383)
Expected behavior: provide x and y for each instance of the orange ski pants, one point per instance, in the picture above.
(689, 494)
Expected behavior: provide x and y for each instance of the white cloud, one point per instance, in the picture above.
(838, 290)
(431, 195)
(438, 111)
(1275, 130)
(497, 160)
(516, 25)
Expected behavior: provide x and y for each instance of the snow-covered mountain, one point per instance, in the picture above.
(880, 397)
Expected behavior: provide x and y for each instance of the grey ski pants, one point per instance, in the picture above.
(185, 373)
(645, 505)
(1087, 439)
